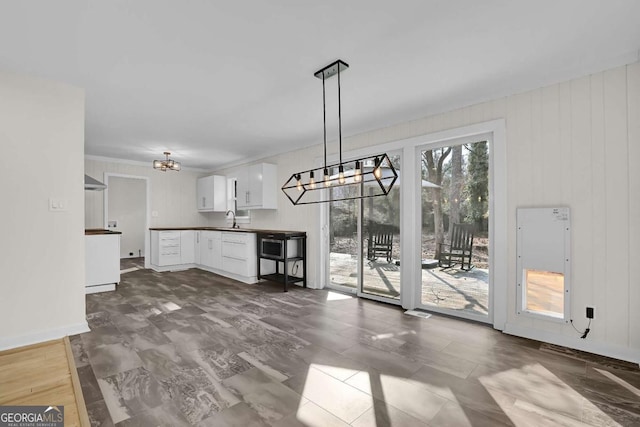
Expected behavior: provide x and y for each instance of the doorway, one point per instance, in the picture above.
(364, 241)
(126, 210)
(455, 235)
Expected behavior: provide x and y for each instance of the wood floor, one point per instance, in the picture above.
(43, 374)
(194, 349)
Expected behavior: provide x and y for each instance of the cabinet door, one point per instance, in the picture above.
(242, 189)
(187, 247)
(216, 253)
(212, 193)
(205, 251)
(204, 188)
(196, 247)
(255, 185)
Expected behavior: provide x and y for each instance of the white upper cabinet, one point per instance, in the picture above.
(257, 187)
(212, 193)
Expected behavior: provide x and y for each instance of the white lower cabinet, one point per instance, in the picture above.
(230, 254)
(165, 248)
(239, 254)
(187, 247)
(210, 249)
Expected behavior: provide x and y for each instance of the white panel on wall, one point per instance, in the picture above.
(543, 257)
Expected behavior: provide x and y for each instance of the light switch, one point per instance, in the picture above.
(58, 205)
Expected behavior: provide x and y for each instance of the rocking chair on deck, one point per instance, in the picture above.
(459, 249)
(380, 242)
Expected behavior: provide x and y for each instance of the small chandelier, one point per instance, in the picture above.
(374, 172)
(166, 164)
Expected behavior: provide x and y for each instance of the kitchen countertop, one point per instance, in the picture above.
(98, 231)
(284, 233)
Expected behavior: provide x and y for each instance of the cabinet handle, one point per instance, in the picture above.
(246, 197)
(204, 202)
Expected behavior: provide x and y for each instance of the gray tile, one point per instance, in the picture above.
(102, 336)
(197, 395)
(89, 384)
(130, 393)
(384, 415)
(338, 398)
(219, 361)
(99, 414)
(239, 415)
(147, 337)
(166, 415)
(310, 415)
(165, 361)
(77, 348)
(99, 319)
(189, 338)
(111, 359)
(383, 361)
(270, 399)
(409, 396)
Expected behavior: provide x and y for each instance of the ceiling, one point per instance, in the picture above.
(220, 82)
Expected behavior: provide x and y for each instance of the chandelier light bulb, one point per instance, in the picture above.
(357, 176)
(327, 178)
(299, 183)
(341, 179)
(377, 171)
(312, 181)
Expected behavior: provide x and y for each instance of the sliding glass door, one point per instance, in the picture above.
(364, 241)
(455, 230)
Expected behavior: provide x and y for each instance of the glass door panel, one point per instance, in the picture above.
(455, 269)
(343, 239)
(380, 252)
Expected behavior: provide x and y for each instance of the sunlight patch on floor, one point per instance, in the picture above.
(170, 306)
(619, 381)
(336, 296)
(538, 391)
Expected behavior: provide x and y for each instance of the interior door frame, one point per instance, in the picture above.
(147, 243)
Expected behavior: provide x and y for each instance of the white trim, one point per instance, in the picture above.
(609, 350)
(105, 213)
(135, 163)
(494, 133)
(42, 336)
(100, 288)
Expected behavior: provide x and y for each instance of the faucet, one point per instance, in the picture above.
(234, 218)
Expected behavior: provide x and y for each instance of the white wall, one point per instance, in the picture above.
(128, 207)
(173, 194)
(571, 144)
(42, 293)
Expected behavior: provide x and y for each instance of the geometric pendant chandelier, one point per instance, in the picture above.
(365, 177)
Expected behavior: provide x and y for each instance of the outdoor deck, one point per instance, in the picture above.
(463, 291)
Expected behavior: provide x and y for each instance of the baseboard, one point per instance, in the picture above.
(100, 288)
(608, 350)
(42, 336)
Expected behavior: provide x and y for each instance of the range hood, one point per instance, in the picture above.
(93, 184)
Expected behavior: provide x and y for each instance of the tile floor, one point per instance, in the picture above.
(194, 349)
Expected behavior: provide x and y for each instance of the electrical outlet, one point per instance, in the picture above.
(591, 311)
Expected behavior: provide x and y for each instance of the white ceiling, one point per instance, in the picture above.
(217, 82)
